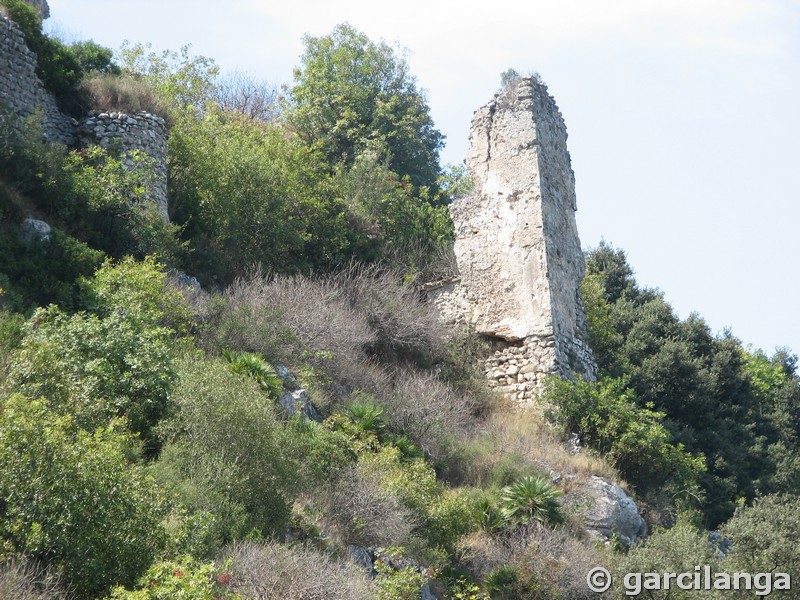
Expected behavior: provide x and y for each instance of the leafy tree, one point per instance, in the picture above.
(351, 94)
(94, 58)
(184, 80)
(607, 418)
(394, 215)
(736, 408)
(454, 182)
(72, 498)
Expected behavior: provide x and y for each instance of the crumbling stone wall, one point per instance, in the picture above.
(517, 245)
(22, 92)
(125, 133)
(24, 95)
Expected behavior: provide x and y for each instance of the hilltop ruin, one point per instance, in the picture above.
(517, 248)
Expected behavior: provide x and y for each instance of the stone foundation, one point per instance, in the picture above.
(519, 369)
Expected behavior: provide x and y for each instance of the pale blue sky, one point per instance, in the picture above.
(682, 115)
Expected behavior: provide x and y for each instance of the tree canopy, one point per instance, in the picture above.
(351, 94)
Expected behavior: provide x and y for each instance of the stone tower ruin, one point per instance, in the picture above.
(519, 257)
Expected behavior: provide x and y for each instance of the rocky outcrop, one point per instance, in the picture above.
(517, 246)
(367, 558)
(21, 91)
(295, 399)
(609, 511)
(35, 230)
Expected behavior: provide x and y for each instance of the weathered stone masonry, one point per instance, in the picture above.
(21, 90)
(517, 244)
(142, 131)
(23, 94)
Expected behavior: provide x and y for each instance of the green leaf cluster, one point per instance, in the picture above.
(352, 94)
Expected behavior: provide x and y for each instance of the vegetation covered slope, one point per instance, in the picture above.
(144, 453)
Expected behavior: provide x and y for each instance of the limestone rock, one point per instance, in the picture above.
(289, 381)
(34, 229)
(42, 8)
(299, 400)
(517, 243)
(610, 511)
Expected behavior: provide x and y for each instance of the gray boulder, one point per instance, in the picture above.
(610, 511)
(298, 400)
(34, 229)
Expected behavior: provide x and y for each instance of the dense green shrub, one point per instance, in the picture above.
(764, 536)
(116, 362)
(607, 419)
(187, 578)
(248, 194)
(73, 499)
(42, 272)
(675, 550)
(227, 453)
(402, 221)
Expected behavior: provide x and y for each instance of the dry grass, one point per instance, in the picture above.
(511, 439)
(121, 93)
(276, 571)
(429, 411)
(22, 579)
(343, 325)
(361, 512)
(545, 557)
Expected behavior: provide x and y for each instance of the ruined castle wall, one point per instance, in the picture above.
(517, 247)
(24, 95)
(125, 133)
(22, 92)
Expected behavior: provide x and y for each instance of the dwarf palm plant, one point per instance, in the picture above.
(530, 499)
(254, 366)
